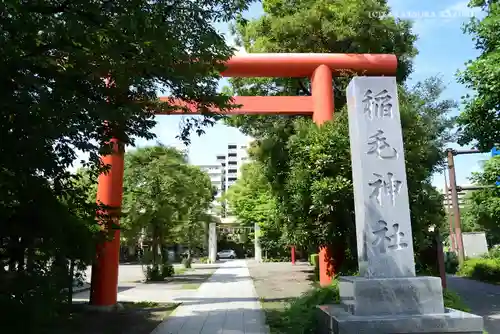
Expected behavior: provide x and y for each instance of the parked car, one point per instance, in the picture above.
(226, 254)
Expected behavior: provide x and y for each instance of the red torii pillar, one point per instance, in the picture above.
(322, 94)
(318, 67)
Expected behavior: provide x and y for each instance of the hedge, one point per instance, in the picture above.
(481, 269)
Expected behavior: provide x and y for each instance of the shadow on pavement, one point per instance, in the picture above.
(198, 278)
(85, 293)
(130, 320)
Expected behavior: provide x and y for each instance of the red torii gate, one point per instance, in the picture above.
(320, 68)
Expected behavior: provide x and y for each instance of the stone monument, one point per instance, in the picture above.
(212, 242)
(386, 297)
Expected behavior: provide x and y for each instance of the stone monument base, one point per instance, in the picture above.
(333, 319)
(394, 306)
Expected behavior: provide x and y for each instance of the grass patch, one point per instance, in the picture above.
(144, 304)
(452, 300)
(133, 318)
(299, 315)
(191, 286)
(274, 312)
(180, 270)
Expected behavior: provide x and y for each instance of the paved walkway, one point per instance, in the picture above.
(482, 298)
(226, 304)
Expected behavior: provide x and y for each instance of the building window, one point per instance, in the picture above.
(232, 171)
(231, 179)
(231, 154)
(223, 164)
(232, 163)
(243, 147)
(221, 157)
(231, 147)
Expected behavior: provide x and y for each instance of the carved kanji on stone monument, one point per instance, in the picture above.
(379, 146)
(377, 105)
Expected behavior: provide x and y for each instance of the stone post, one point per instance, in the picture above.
(258, 249)
(212, 242)
(387, 297)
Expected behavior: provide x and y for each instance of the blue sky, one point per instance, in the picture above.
(443, 49)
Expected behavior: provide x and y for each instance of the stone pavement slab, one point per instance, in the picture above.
(226, 304)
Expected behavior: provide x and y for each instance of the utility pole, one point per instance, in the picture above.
(450, 215)
(454, 198)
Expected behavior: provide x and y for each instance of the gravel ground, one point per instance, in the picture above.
(278, 281)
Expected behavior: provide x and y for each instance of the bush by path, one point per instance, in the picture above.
(481, 269)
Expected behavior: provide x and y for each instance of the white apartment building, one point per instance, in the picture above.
(225, 172)
(217, 176)
(236, 156)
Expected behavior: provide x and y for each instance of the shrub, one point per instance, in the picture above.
(158, 273)
(314, 259)
(451, 262)
(299, 317)
(493, 253)
(167, 270)
(186, 262)
(204, 259)
(481, 269)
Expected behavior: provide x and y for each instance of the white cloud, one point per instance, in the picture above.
(430, 21)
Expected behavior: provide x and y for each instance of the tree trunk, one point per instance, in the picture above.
(189, 243)
(71, 275)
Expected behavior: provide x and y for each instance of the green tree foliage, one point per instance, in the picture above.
(468, 222)
(311, 26)
(86, 180)
(252, 201)
(165, 200)
(318, 195)
(194, 226)
(54, 101)
(313, 185)
(309, 167)
(484, 205)
(250, 197)
(480, 117)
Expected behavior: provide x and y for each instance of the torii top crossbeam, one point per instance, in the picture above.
(318, 66)
(296, 65)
